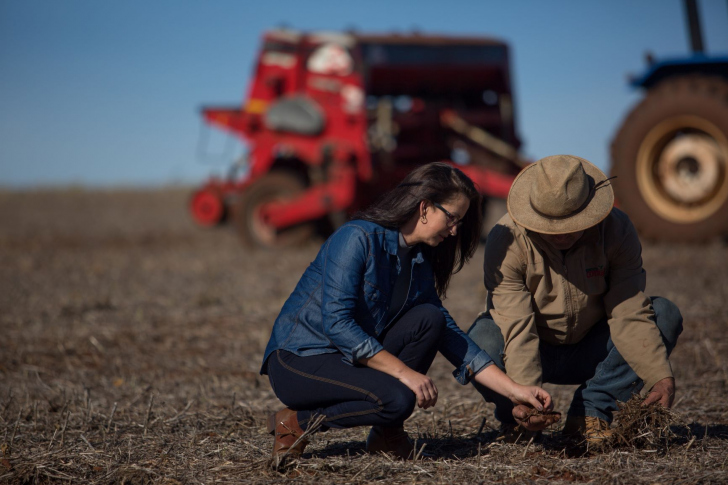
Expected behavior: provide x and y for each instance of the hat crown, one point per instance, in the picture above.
(561, 186)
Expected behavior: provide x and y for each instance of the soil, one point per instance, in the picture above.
(132, 342)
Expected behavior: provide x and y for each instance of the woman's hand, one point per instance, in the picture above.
(422, 386)
(533, 420)
(533, 408)
(494, 378)
(532, 396)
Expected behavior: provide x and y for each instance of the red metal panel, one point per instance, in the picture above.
(488, 182)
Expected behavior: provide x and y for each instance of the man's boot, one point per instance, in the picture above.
(594, 430)
(390, 440)
(284, 426)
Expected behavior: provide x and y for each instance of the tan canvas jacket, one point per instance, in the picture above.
(535, 292)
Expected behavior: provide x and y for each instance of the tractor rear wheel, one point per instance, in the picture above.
(671, 159)
(253, 230)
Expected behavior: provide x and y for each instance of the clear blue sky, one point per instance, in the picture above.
(107, 93)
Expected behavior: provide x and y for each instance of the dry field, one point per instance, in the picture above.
(131, 342)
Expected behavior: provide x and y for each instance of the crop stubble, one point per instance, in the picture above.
(131, 344)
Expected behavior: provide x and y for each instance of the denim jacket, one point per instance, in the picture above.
(341, 302)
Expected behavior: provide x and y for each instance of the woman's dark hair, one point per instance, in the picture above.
(436, 182)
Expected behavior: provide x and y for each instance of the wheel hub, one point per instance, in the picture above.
(681, 169)
(207, 207)
(689, 168)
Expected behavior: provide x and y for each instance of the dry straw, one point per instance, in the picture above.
(126, 268)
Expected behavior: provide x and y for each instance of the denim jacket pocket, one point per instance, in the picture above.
(372, 293)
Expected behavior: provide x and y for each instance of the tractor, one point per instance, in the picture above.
(333, 120)
(671, 152)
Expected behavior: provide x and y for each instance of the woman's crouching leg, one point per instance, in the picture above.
(344, 395)
(414, 338)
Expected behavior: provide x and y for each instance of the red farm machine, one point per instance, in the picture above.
(332, 120)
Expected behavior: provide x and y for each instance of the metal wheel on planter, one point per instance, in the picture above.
(207, 207)
(671, 159)
(253, 230)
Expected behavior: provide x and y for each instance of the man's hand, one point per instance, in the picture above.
(533, 420)
(662, 392)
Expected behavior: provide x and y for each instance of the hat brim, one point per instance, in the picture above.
(595, 210)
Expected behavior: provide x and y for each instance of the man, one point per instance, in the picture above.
(566, 301)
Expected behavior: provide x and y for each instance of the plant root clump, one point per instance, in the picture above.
(652, 427)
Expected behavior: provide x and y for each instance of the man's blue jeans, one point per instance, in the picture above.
(593, 362)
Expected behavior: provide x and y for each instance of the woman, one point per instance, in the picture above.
(356, 337)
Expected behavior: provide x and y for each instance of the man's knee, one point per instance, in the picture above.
(487, 335)
(668, 319)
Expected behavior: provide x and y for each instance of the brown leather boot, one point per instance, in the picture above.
(390, 440)
(284, 426)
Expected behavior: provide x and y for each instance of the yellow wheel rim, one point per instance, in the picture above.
(681, 169)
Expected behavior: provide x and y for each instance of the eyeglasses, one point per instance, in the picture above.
(452, 220)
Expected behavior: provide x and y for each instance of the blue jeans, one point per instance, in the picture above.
(349, 395)
(594, 363)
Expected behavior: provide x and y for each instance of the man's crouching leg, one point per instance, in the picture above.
(486, 334)
(669, 320)
(614, 380)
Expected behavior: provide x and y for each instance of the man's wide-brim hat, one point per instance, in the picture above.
(560, 194)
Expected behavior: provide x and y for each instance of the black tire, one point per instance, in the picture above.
(671, 159)
(253, 231)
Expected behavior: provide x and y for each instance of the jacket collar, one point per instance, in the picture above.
(391, 240)
(391, 244)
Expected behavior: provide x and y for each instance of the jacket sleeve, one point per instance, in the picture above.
(629, 310)
(510, 306)
(457, 347)
(343, 274)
